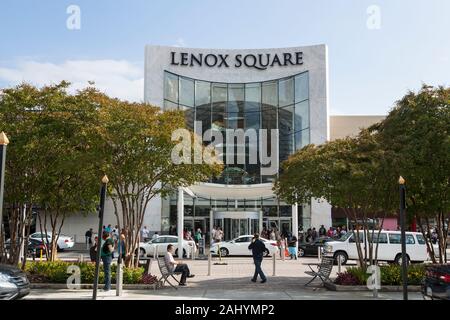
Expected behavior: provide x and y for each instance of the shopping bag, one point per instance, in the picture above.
(286, 253)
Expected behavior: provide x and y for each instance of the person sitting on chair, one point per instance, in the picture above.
(174, 266)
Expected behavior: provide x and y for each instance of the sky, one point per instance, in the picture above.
(378, 49)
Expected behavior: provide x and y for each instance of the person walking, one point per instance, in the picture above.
(88, 237)
(258, 248)
(292, 247)
(174, 266)
(106, 254)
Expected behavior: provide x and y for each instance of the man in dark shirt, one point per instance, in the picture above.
(258, 248)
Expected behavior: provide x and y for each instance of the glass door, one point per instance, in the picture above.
(243, 226)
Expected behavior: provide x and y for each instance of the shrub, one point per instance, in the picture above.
(56, 272)
(390, 275)
(347, 278)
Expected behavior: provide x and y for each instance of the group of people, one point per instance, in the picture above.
(217, 234)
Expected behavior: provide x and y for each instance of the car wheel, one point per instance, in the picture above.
(398, 259)
(340, 256)
(224, 252)
(266, 252)
(184, 253)
(301, 252)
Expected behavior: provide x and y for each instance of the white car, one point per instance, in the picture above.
(239, 247)
(389, 247)
(161, 243)
(64, 242)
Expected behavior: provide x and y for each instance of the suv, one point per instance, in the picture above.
(389, 246)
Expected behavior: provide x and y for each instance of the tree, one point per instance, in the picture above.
(352, 174)
(417, 132)
(137, 138)
(53, 163)
(17, 120)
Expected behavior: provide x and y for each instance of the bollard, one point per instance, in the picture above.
(154, 252)
(283, 252)
(339, 265)
(209, 263)
(319, 254)
(274, 263)
(119, 279)
(193, 252)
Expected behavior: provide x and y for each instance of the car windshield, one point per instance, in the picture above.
(345, 237)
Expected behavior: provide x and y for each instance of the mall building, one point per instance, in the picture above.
(279, 88)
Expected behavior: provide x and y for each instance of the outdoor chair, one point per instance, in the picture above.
(323, 271)
(165, 273)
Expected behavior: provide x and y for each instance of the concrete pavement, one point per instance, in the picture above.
(232, 281)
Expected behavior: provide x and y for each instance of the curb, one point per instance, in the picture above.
(334, 287)
(91, 286)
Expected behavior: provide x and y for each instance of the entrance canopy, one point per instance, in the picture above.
(221, 191)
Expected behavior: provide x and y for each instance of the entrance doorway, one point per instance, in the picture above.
(238, 223)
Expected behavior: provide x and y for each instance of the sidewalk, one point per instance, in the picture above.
(232, 281)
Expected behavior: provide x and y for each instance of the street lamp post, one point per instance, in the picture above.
(3, 143)
(401, 182)
(99, 235)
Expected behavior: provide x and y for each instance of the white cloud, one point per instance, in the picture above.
(179, 43)
(117, 78)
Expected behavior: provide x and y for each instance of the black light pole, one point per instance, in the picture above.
(3, 143)
(99, 236)
(401, 182)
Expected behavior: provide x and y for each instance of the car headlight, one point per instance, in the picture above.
(327, 248)
(5, 282)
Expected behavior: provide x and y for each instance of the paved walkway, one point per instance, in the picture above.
(232, 281)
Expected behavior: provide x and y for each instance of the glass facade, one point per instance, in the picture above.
(281, 104)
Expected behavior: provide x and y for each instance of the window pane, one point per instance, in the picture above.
(286, 92)
(188, 116)
(168, 105)
(270, 94)
(394, 238)
(410, 239)
(202, 93)
(186, 92)
(253, 92)
(301, 115)
(420, 239)
(301, 139)
(286, 127)
(301, 87)
(219, 93)
(171, 87)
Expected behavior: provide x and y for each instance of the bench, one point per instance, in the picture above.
(323, 271)
(165, 274)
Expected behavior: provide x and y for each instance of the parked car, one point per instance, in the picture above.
(161, 243)
(64, 242)
(436, 284)
(239, 247)
(389, 247)
(13, 283)
(311, 248)
(34, 246)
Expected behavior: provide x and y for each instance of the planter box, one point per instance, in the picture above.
(335, 287)
(90, 286)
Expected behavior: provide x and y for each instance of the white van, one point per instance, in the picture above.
(389, 247)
